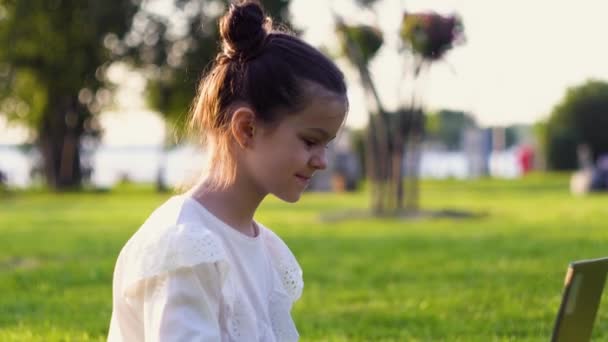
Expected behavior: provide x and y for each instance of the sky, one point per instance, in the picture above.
(518, 59)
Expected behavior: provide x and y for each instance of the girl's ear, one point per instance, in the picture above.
(242, 126)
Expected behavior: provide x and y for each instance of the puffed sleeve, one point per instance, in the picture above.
(183, 305)
(175, 280)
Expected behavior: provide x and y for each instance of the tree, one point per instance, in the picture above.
(581, 118)
(359, 45)
(52, 73)
(174, 48)
(426, 37)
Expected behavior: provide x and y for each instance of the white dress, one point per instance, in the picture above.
(187, 276)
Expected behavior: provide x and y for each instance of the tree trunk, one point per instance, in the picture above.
(372, 167)
(379, 134)
(378, 158)
(412, 138)
(413, 162)
(59, 142)
(398, 172)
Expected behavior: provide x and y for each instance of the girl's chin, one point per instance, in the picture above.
(289, 198)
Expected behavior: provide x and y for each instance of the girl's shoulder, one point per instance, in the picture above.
(285, 263)
(172, 237)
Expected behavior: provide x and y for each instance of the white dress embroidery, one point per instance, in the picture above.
(181, 277)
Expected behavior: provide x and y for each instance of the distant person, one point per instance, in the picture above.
(525, 158)
(3, 181)
(201, 268)
(599, 177)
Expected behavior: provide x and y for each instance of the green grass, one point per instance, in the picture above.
(494, 278)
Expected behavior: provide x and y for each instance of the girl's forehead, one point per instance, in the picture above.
(329, 108)
(318, 95)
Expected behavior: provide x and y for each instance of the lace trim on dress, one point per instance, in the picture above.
(279, 310)
(182, 245)
(289, 274)
(286, 266)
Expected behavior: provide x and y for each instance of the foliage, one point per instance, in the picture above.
(448, 127)
(368, 40)
(175, 48)
(561, 150)
(52, 73)
(52, 68)
(430, 35)
(580, 118)
(56, 49)
(501, 273)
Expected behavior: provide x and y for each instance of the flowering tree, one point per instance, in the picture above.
(390, 136)
(429, 36)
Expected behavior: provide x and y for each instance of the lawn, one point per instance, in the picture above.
(497, 277)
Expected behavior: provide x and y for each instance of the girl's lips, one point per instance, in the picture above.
(303, 179)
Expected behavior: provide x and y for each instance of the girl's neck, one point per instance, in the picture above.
(233, 205)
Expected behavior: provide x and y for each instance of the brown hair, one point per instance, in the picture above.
(265, 68)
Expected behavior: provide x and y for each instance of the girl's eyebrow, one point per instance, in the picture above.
(323, 132)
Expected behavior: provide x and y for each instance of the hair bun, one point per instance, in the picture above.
(243, 30)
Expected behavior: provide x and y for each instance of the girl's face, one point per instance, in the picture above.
(283, 158)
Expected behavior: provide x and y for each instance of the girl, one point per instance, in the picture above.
(200, 268)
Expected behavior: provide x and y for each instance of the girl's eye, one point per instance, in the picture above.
(308, 142)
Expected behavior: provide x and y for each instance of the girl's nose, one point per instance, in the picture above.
(319, 160)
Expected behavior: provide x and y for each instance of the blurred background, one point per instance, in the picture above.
(522, 90)
(474, 129)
